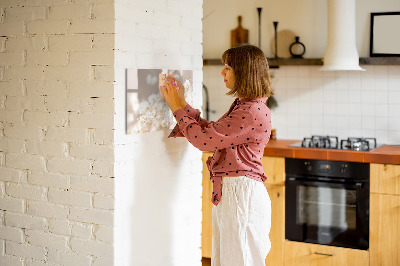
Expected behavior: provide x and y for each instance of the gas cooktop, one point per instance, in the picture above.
(332, 142)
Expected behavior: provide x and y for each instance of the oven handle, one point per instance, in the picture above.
(357, 185)
(324, 254)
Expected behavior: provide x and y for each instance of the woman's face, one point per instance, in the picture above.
(229, 76)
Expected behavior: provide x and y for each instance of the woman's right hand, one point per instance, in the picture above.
(181, 91)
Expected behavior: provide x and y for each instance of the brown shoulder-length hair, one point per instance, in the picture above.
(250, 66)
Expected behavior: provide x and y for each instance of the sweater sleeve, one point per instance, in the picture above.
(193, 113)
(229, 131)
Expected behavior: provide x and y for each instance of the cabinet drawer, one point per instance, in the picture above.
(305, 254)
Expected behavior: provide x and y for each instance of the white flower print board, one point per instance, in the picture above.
(146, 109)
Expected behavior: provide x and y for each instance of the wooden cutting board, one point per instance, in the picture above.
(239, 35)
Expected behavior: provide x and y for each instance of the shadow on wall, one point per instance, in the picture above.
(156, 192)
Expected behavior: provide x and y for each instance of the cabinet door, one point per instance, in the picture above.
(277, 233)
(385, 178)
(384, 229)
(206, 226)
(304, 254)
(274, 168)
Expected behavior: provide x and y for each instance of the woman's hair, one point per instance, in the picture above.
(250, 66)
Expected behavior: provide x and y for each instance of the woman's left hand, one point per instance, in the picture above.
(171, 95)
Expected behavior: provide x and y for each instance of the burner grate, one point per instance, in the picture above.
(332, 142)
(358, 144)
(327, 142)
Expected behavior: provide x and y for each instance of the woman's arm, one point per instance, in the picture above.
(237, 128)
(193, 113)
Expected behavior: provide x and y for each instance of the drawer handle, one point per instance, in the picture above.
(324, 254)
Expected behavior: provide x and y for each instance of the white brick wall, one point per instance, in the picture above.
(62, 74)
(156, 177)
(56, 132)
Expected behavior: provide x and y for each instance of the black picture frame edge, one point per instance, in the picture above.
(371, 35)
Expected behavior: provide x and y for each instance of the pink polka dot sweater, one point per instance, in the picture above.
(238, 139)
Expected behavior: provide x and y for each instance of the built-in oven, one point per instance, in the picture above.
(327, 202)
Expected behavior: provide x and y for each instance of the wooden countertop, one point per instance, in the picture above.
(389, 154)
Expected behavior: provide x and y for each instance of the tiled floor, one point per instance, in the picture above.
(206, 261)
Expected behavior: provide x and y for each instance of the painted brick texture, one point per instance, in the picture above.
(56, 132)
(158, 180)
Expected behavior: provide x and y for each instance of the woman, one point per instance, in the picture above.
(242, 208)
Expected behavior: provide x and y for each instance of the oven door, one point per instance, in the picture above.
(327, 213)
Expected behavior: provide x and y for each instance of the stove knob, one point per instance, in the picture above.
(308, 166)
(343, 168)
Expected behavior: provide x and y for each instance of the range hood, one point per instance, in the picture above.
(341, 51)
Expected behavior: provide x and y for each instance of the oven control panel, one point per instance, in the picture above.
(336, 169)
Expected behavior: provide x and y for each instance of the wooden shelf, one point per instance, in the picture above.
(274, 63)
(380, 61)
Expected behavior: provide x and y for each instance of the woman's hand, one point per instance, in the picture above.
(181, 90)
(171, 95)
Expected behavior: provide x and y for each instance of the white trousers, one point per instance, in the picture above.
(241, 223)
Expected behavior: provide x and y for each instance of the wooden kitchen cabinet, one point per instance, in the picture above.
(277, 233)
(385, 178)
(305, 254)
(384, 237)
(274, 168)
(206, 225)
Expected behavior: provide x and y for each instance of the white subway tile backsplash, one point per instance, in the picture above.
(355, 96)
(342, 81)
(329, 109)
(381, 136)
(304, 82)
(354, 80)
(367, 96)
(367, 110)
(381, 123)
(304, 109)
(367, 133)
(292, 82)
(381, 110)
(291, 71)
(394, 137)
(381, 97)
(328, 74)
(393, 71)
(394, 123)
(329, 123)
(342, 109)
(381, 84)
(355, 132)
(304, 72)
(342, 122)
(329, 93)
(394, 82)
(316, 82)
(394, 110)
(394, 97)
(380, 71)
(355, 122)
